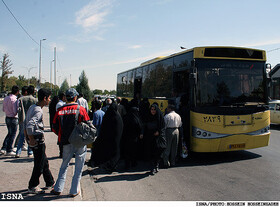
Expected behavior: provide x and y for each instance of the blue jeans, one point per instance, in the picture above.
(12, 130)
(21, 140)
(80, 156)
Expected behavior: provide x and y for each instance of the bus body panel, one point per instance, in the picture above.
(221, 136)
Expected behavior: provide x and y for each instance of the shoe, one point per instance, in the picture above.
(156, 169)
(14, 149)
(2, 152)
(36, 190)
(49, 187)
(10, 154)
(153, 171)
(24, 148)
(74, 195)
(30, 156)
(55, 192)
(17, 156)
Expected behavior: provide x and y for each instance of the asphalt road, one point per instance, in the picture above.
(251, 175)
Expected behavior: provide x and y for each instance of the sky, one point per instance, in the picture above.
(106, 37)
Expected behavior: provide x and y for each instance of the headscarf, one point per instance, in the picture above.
(158, 116)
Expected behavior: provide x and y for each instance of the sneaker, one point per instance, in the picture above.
(36, 190)
(55, 192)
(49, 187)
(17, 156)
(10, 154)
(30, 156)
(14, 149)
(74, 195)
(24, 148)
(2, 152)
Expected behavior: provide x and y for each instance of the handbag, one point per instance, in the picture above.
(84, 133)
(161, 141)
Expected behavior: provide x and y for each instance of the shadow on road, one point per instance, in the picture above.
(142, 170)
(198, 159)
(275, 126)
(23, 195)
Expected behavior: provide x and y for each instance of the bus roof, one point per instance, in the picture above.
(216, 52)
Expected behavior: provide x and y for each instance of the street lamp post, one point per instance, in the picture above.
(29, 69)
(51, 73)
(40, 61)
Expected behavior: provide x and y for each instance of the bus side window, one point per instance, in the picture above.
(277, 107)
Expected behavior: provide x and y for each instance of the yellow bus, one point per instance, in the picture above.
(224, 90)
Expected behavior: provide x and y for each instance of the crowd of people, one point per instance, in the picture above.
(130, 130)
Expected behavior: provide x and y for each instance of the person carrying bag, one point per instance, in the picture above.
(83, 133)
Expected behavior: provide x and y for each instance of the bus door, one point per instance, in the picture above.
(137, 88)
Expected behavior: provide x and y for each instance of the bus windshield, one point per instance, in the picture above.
(230, 83)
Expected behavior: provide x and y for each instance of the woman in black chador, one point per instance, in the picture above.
(154, 136)
(131, 134)
(106, 149)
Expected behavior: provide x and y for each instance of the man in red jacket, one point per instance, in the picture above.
(63, 125)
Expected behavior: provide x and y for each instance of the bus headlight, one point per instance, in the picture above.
(262, 131)
(203, 134)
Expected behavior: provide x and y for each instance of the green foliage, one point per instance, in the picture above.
(6, 67)
(64, 86)
(83, 86)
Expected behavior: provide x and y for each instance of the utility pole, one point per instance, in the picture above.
(54, 66)
(40, 62)
(51, 73)
(29, 69)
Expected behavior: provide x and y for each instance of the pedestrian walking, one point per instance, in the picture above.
(62, 100)
(106, 151)
(172, 124)
(107, 104)
(60, 103)
(82, 101)
(10, 107)
(24, 103)
(154, 137)
(97, 120)
(34, 131)
(131, 135)
(63, 125)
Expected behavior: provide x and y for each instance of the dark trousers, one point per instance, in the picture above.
(41, 166)
(12, 124)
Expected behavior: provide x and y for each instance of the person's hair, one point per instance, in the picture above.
(24, 89)
(97, 105)
(119, 100)
(69, 99)
(15, 89)
(42, 93)
(81, 95)
(30, 90)
(171, 107)
(109, 101)
(61, 95)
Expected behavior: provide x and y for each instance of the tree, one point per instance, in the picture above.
(6, 67)
(97, 92)
(21, 81)
(64, 86)
(83, 86)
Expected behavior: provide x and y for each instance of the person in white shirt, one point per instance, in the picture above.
(82, 102)
(172, 124)
(62, 100)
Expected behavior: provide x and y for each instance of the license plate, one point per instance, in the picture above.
(236, 146)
